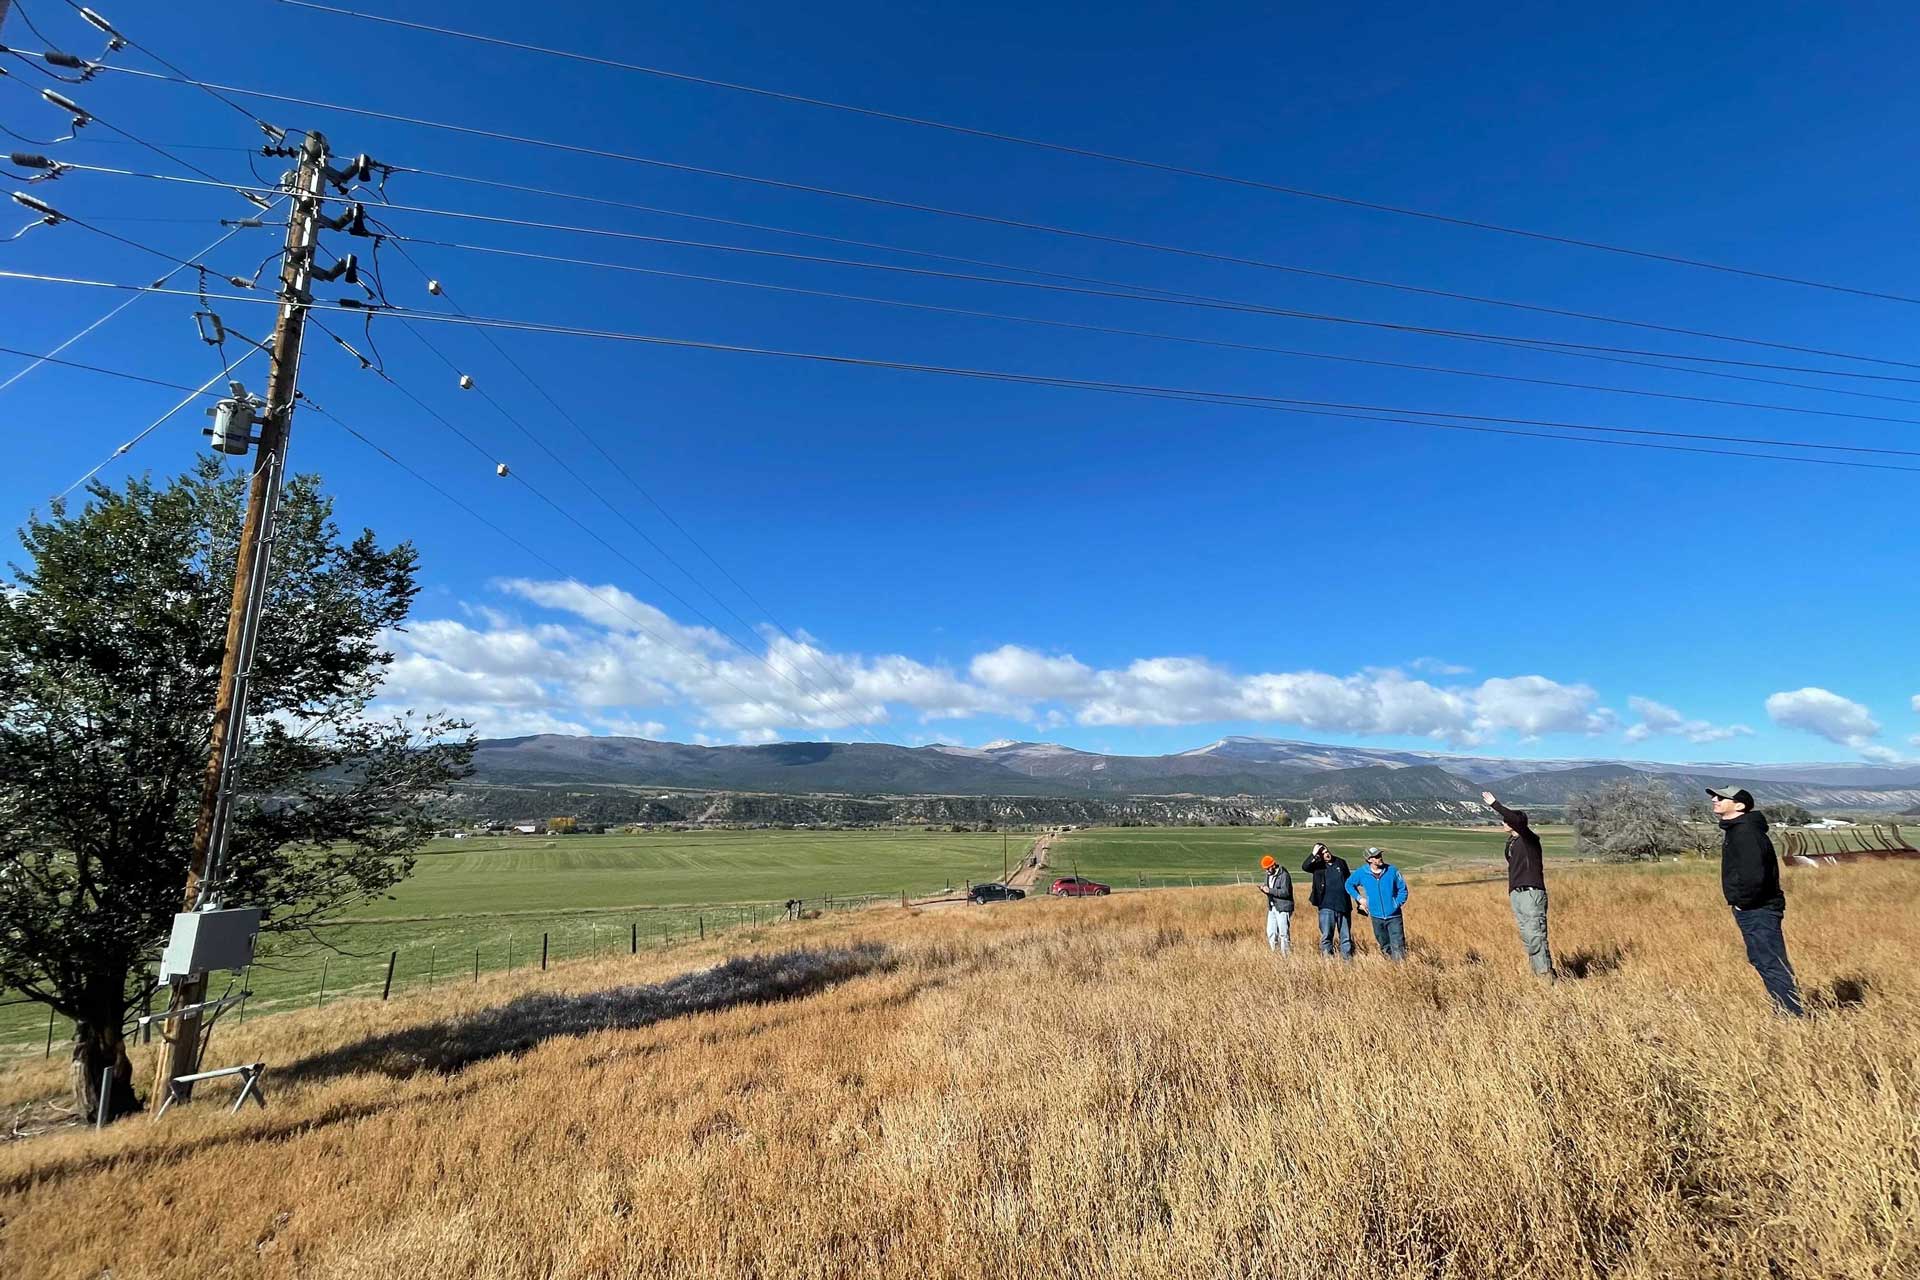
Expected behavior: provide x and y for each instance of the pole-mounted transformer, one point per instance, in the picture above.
(233, 421)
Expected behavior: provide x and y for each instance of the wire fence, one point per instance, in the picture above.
(389, 960)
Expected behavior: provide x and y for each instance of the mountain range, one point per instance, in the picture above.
(1311, 772)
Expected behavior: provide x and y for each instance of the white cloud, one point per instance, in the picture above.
(1024, 673)
(1438, 667)
(1916, 704)
(1658, 719)
(623, 666)
(1534, 705)
(1825, 713)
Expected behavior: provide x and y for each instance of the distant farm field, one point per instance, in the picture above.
(1134, 856)
(487, 904)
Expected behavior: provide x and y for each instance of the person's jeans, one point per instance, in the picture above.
(1279, 927)
(1530, 913)
(1336, 922)
(1767, 953)
(1391, 937)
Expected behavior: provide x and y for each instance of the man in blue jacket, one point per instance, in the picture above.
(1379, 890)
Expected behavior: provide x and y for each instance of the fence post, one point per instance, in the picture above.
(106, 1097)
(703, 928)
(320, 1002)
(49, 1052)
(543, 951)
(633, 948)
(392, 957)
(476, 964)
(430, 951)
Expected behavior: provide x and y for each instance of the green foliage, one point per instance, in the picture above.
(1784, 813)
(1630, 820)
(111, 639)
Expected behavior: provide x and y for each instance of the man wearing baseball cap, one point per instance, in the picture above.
(1278, 886)
(1750, 881)
(1330, 896)
(1379, 890)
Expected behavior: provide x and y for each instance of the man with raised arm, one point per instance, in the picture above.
(1330, 896)
(1526, 886)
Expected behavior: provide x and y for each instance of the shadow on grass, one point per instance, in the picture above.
(452, 1044)
(1849, 992)
(1593, 962)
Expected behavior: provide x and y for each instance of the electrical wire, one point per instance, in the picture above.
(1112, 288)
(238, 282)
(38, 358)
(1244, 399)
(639, 624)
(989, 219)
(1161, 336)
(155, 425)
(121, 35)
(567, 514)
(611, 461)
(49, 358)
(1110, 157)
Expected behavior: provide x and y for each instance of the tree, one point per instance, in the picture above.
(110, 647)
(1629, 820)
(1787, 814)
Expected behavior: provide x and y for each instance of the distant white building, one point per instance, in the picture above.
(527, 828)
(1315, 818)
(1828, 824)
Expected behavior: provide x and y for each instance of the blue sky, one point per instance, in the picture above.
(928, 558)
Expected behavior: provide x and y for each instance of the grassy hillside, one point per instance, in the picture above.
(1117, 1087)
(491, 901)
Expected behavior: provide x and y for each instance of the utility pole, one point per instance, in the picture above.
(180, 1042)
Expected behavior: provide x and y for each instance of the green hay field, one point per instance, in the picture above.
(487, 902)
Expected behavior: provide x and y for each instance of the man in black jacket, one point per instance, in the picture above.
(1750, 881)
(1330, 895)
(1526, 885)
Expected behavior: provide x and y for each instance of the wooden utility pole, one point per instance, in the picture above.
(180, 1044)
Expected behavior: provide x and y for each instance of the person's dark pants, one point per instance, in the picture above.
(1390, 935)
(1767, 953)
(1336, 922)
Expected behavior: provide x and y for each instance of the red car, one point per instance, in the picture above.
(1075, 887)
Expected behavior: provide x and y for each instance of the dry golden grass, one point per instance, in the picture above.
(1120, 1087)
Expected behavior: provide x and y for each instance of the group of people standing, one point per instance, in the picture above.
(1377, 890)
(1749, 874)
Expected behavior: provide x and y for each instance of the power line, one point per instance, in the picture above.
(568, 515)
(639, 624)
(94, 20)
(1130, 290)
(1168, 337)
(990, 219)
(1243, 399)
(49, 357)
(38, 358)
(192, 395)
(594, 443)
(1112, 157)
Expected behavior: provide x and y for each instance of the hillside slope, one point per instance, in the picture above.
(1124, 1087)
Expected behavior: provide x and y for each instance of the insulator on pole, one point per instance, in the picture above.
(114, 39)
(41, 207)
(80, 114)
